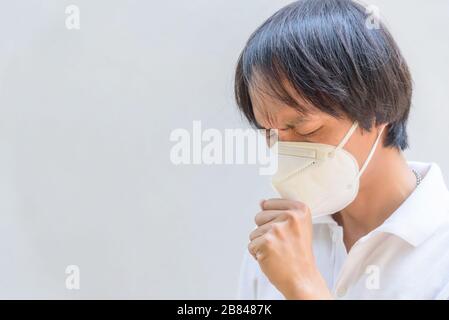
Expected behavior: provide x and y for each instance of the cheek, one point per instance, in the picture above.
(358, 146)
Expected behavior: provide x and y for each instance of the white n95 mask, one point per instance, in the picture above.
(324, 177)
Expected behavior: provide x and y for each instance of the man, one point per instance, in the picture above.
(355, 219)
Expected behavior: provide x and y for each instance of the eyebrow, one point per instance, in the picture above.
(298, 120)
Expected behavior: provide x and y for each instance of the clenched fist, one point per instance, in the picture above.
(282, 245)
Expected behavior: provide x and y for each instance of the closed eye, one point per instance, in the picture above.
(308, 134)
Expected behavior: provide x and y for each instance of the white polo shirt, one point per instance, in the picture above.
(407, 257)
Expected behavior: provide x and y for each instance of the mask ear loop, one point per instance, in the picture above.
(371, 153)
(345, 139)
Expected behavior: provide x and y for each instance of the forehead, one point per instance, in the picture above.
(271, 112)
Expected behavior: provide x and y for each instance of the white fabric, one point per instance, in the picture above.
(407, 257)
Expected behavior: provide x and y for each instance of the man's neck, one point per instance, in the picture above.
(384, 186)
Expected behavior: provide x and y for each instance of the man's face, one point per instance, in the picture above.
(316, 126)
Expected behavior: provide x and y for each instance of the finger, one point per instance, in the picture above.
(255, 246)
(260, 231)
(282, 204)
(266, 216)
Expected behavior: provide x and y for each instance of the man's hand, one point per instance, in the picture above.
(282, 245)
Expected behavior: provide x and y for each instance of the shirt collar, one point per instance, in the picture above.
(424, 211)
(421, 214)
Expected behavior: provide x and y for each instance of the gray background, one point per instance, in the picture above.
(85, 174)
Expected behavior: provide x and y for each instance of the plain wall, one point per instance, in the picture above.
(85, 120)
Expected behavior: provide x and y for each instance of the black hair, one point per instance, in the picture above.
(327, 53)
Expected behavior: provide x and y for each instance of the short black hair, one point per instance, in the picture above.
(331, 58)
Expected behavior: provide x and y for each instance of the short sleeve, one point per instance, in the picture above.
(247, 284)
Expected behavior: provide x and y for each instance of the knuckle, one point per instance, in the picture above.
(261, 257)
(300, 206)
(276, 229)
(268, 241)
(290, 215)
